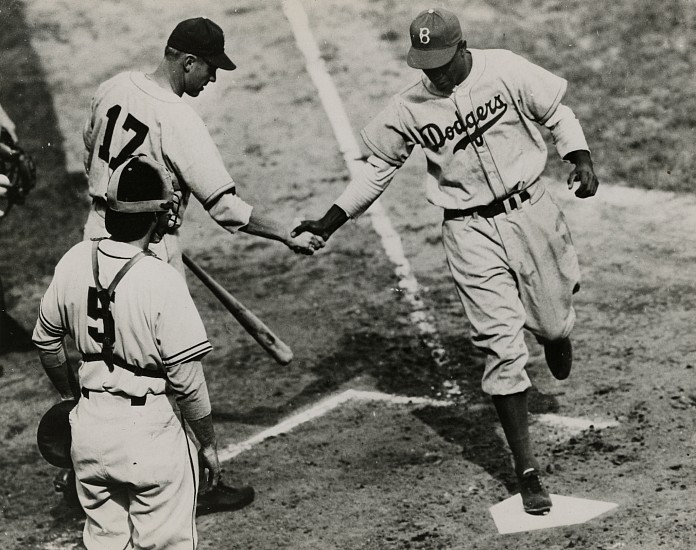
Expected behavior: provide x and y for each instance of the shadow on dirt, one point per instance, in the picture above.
(403, 366)
(36, 234)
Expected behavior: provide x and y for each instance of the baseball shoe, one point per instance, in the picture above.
(65, 483)
(535, 497)
(559, 357)
(224, 498)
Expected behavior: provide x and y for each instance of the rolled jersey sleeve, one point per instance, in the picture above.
(228, 210)
(370, 181)
(197, 162)
(566, 131)
(387, 135)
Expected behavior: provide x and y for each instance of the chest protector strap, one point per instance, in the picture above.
(105, 296)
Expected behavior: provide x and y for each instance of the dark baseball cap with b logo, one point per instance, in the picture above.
(200, 36)
(435, 35)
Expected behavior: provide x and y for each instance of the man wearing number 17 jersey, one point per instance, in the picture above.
(144, 113)
(137, 113)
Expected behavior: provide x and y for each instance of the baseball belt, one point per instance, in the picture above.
(507, 204)
(135, 401)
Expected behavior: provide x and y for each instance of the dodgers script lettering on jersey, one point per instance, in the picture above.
(473, 125)
(481, 141)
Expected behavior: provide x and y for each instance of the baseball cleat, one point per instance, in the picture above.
(224, 498)
(535, 497)
(559, 357)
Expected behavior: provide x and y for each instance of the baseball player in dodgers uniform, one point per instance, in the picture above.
(139, 334)
(136, 112)
(474, 114)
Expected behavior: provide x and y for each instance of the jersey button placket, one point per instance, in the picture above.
(478, 143)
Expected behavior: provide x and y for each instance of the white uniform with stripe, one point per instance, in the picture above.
(131, 114)
(137, 469)
(519, 268)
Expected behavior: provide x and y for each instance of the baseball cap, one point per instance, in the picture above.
(435, 35)
(131, 174)
(200, 36)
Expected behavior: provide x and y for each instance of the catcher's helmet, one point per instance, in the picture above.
(138, 168)
(53, 435)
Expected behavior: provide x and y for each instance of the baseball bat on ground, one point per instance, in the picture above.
(278, 349)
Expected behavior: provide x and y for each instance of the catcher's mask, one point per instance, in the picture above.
(140, 166)
(53, 435)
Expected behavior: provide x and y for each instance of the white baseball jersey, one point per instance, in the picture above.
(131, 114)
(481, 142)
(157, 324)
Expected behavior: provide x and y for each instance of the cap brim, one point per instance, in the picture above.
(221, 61)
(430, 59)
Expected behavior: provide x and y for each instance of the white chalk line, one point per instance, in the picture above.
(335, 111)
(570, 425)
(320, 409)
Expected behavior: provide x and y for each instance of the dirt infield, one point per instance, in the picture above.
(367, 474)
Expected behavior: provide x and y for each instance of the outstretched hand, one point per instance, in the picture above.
(315, 227)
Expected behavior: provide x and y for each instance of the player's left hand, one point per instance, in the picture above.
(209, 465)
(583, 173)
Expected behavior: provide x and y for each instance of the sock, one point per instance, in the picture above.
(512, 413)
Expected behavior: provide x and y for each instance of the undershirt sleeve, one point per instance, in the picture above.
(187, 381)
(371, 180)
(566, 131)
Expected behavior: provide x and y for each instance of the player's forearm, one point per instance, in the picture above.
(187, 382)
(334, 218)
(204, 431)
(368, 183)
(61, 378)
(263, 224)
(229, 211)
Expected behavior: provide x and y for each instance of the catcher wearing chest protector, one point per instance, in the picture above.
(141, 342)
(474, 113)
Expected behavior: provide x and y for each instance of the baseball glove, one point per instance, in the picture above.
(53, 435)
(17, 172)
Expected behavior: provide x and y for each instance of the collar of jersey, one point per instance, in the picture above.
(153, 89)
(116, 249)
(478, 63)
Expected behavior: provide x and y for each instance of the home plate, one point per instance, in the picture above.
(509, 517)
